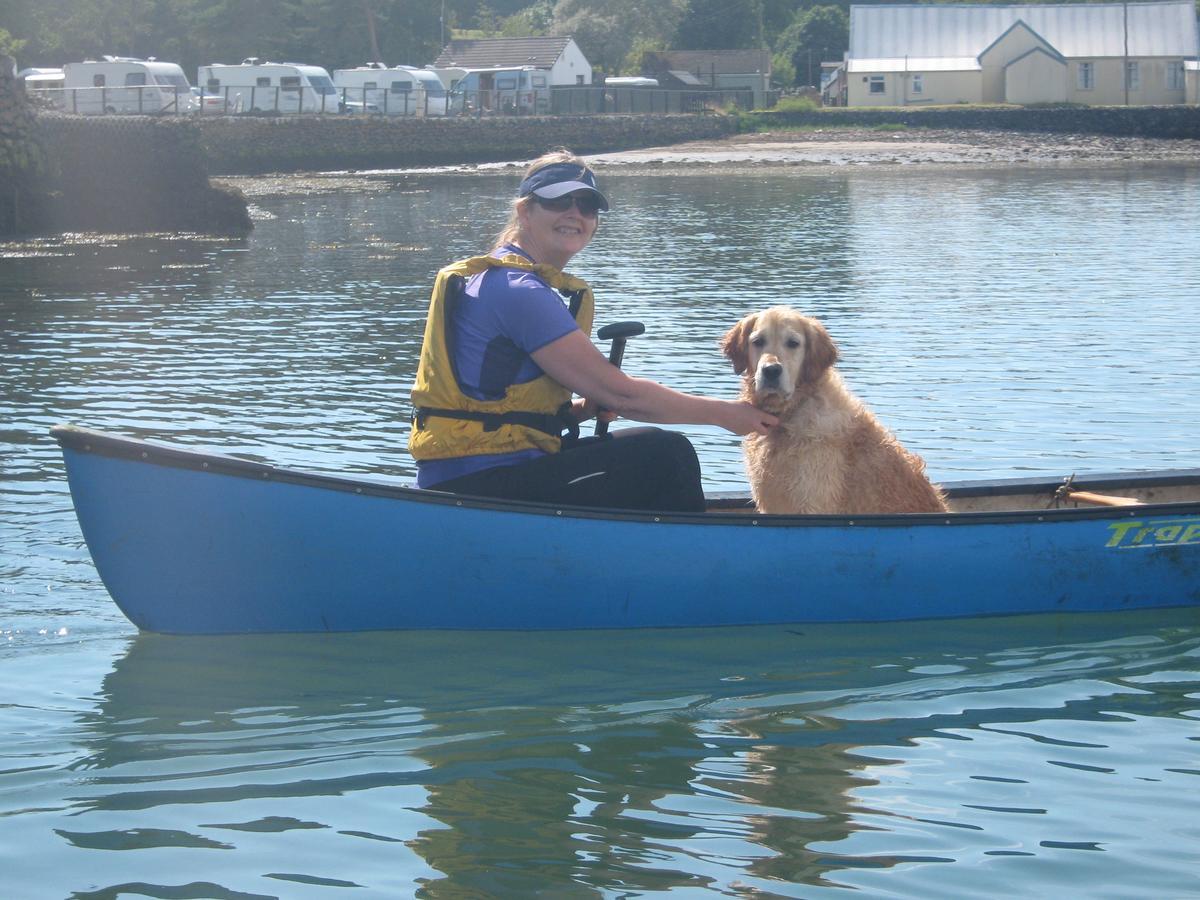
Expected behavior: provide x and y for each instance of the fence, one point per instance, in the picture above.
(290, 101)
(598, 100)
(132, 100)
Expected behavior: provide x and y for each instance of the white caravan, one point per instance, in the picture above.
(121, 84)
(395, 91)
(630, 81)
(286, 88)
(42, 79)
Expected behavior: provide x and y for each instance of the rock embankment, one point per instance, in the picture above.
(24, 166)
(110, 174)
(136, 173)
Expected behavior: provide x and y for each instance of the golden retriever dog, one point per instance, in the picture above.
(829, 455)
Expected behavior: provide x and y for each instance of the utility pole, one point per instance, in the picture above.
(376, 56)
(1125, 61)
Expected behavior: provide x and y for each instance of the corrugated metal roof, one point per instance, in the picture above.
(1074, 30)
(916, 64)
(487, 53)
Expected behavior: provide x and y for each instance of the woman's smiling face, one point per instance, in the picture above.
(554, 237)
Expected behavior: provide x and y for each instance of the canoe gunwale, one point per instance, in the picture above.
(90, 441)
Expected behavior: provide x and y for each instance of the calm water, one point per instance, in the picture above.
(1002, 323)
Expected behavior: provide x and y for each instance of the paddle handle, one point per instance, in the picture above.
(620, 332)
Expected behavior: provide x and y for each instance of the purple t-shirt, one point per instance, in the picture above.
(504, 316)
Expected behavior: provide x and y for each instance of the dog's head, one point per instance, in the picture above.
(780, 351)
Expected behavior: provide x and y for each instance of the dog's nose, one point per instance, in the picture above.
(772, 371)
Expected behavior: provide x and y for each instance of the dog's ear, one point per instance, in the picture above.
(736, 344)
(820, 352)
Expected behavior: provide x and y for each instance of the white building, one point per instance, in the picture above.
(1100, 54)
(560, 56)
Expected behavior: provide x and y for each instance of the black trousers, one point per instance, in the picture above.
(634, 468)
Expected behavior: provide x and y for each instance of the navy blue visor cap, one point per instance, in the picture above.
(558, 179)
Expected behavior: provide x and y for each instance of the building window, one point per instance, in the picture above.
(878, 85)
(1133, 77)
(1175, 80)
(918, 86)
(1085, 76)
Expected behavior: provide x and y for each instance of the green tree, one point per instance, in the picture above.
(721, 25)
(532, 21)
(818, 34)
(607, 30)
(9, 46)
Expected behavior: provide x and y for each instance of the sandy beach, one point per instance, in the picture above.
(909, 147)
(805, 152)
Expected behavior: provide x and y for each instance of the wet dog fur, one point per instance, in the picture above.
(829, 455)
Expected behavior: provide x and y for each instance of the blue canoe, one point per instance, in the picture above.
(190, 542)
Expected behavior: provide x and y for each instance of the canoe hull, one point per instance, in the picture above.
(192, 543)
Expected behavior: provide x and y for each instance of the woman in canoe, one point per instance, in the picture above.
(507, 345)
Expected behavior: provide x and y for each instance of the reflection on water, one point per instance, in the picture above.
(740, 760)
(1001, 322)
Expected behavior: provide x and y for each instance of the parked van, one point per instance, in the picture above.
(396, 91)
(287, 88)
(121, 84)
(522, 90)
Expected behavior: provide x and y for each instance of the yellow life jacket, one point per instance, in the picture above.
(446, 422)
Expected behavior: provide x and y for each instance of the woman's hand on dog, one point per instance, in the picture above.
(745, 418)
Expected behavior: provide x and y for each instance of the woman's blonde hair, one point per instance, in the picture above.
(512, 228)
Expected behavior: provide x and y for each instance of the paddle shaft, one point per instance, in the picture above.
(620, 332)
(615, 355)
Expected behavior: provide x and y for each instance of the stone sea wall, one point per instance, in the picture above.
(250, 145)
(1116, 121)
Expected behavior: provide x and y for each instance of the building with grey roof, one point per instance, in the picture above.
(560, 56)
(1092, 53)
(713, 69)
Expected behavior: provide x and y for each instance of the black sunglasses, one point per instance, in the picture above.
(586, 202)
